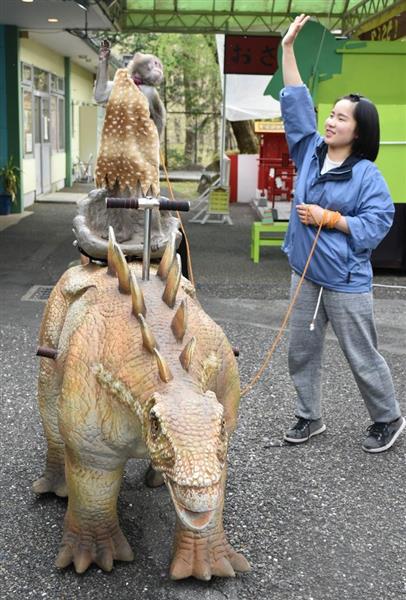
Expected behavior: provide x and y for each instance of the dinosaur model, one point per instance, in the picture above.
(139, 370)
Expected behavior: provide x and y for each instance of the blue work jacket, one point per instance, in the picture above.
(356, 189)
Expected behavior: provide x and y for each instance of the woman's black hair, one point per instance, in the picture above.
(366, 144)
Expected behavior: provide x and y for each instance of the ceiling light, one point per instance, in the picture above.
(27, 1)
(53, 20)
(83, 4)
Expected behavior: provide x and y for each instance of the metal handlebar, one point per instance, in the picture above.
(143, 203)
(147, 204)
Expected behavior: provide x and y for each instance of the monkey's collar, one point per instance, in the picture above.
(137, 80)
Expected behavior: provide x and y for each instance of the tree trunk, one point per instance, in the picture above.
(190, 129)
(190, 140)
(244, 134)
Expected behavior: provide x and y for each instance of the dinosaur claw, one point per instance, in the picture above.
(153, 479)
(50, 483)
(61, 490)
(124, 552)
(64, 557)
(223, 568)
(180, 569)
(105, 560)
(82, 561)
(202, 570)
(41, 486)
(239, 563)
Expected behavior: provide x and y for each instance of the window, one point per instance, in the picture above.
(43, 108)
(54, 83)
(26, 74)
(41, 80)
(27, 119)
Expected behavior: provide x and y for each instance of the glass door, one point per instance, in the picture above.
(42, 138)
(45, 146)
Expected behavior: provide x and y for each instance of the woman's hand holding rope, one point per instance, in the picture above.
(312, 214)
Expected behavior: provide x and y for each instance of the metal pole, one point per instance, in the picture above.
(195, 139)
(146, 257)
(223, 133)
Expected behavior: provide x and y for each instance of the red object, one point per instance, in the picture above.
(233, 177)
(251, 54)
(274, 163)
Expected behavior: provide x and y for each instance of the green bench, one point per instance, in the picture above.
(266, 234)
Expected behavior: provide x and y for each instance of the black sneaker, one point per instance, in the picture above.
(303, 430)
(381, 436)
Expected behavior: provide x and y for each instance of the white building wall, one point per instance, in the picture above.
(84, 114)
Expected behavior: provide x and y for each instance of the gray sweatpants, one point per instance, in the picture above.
(351, 317)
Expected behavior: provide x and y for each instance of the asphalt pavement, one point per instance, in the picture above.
(323, 521)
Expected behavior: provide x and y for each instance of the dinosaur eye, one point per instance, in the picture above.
(155, 426)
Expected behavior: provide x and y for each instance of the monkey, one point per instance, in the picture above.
(146, 71)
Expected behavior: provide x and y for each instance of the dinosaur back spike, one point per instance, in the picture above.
(167, 258)
(179, 321)
(164, 371)
(187, 354)
(121, 268)
(110, 257)
(137, 296)
(148, 338)
(172, 282)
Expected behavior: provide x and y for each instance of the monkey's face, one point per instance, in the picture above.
(147, 67)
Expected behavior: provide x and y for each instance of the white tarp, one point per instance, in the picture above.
(245, 98)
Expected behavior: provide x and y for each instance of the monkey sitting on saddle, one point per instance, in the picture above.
(147, 73)
(127, 162)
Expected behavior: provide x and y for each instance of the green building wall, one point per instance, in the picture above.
(376, 70)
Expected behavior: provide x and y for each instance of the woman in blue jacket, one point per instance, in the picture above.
(339, 184)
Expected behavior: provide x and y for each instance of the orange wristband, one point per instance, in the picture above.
(328, 219)
(331, 218)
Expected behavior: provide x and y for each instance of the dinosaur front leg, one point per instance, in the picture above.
(205, 553)
(91, 530)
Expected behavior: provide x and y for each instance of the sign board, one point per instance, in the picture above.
(251, 54)
(264, 126)
(219, 201)
(393, 29)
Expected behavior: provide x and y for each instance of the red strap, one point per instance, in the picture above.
(137, 80)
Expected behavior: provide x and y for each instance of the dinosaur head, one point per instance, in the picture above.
(187, 440)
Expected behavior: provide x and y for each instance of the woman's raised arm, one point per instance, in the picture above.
(291, 75)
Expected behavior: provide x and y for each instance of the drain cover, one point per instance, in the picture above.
(38, 293)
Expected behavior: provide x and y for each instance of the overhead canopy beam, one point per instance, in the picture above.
(206, 21)
(369, 14)
(242, 16)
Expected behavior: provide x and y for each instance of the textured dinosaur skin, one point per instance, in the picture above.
(132, 381)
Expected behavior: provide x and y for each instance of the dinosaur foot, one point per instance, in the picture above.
(153, 479)
(99, 547)
(202, 556)
(51, 481)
